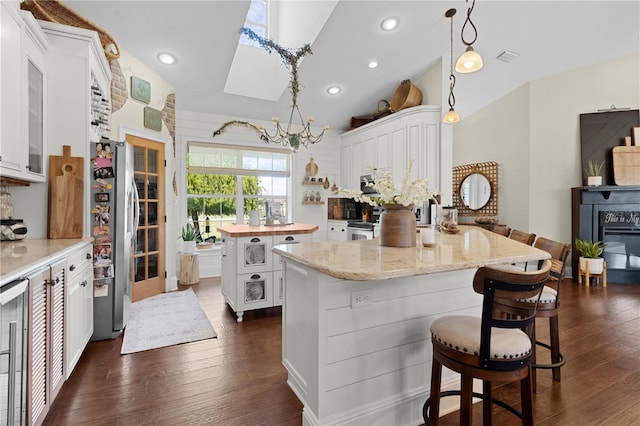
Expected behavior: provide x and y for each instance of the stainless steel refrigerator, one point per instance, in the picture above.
(114, 216)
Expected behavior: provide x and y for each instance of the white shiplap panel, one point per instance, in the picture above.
(394, 333)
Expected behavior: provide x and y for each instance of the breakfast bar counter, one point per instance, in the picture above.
(356, 317)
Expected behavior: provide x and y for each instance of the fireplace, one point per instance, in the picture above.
(610, 214)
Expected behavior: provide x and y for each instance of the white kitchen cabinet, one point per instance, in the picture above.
(79, 312)
(337, 230)
(251, 273)
(22, 87)
(46, 341)
(346, 168)
(76, 68)
(410, 134)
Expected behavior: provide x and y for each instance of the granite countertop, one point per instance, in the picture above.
(19, 257)
(262, 230)
(365, 260)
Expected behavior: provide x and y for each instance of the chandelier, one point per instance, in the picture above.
(291, 135)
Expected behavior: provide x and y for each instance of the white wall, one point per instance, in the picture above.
(534, 135)
(130, 120)
(192, 126)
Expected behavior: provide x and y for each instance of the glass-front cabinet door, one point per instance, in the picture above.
(35, 119)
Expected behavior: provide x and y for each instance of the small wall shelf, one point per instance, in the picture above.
(313, 202)
(308, 182)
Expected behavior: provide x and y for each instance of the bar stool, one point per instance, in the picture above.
(548, 306)
(503, 230)
(489, 347)
(524, 237)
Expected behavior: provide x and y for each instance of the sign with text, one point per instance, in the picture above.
(620, 218)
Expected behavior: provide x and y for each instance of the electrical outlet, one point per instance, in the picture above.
(361, 298)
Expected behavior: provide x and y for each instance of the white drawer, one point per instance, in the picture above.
(79, 260)
(287, 239)
(255, 291)
(254, 254)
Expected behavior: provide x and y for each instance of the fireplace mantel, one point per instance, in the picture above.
(590, 205)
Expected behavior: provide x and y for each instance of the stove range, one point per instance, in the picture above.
(362, 225)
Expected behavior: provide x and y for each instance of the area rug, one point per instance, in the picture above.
(165, 320)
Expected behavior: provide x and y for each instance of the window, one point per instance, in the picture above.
(257, 20)
(226, 182)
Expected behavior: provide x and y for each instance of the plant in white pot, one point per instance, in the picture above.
(594, 173)
(590, 253)
(188, 237)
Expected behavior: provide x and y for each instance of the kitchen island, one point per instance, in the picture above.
(251, 274)
(355, 322)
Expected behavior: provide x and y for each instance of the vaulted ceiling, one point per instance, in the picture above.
(549, 36)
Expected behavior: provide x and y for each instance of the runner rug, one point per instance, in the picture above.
(164, 320)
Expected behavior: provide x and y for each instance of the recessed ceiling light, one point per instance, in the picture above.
(389, 24)
(334, 90)
(166, 58)
(373, 64)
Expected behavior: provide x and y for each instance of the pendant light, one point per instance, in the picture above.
(470, 61)
(452, 116)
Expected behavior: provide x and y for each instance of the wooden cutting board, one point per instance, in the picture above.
(626, 164)
(66, 195)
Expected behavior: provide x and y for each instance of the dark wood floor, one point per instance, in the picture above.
(238, 378)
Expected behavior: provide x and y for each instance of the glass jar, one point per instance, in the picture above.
(6, 206)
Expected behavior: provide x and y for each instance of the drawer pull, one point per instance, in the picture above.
(83, 283)
(72, 267)
(289, 239)
(88, 256)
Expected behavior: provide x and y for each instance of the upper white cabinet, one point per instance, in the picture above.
(22, 92)
(392, 142)
(77, 73)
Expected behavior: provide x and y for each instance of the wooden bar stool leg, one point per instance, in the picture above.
(487, 403)
(604, 274)
(555, 345)
(434, 409)
(526, 399)
(466, 397)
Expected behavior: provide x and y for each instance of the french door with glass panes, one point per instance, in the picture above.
(149, 255)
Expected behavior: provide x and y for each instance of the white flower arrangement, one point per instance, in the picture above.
(412, 191)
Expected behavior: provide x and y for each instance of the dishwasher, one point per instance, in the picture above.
(13, 331)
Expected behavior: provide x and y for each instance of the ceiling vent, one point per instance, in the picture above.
(508, 56)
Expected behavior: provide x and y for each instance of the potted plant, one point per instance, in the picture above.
(188, 237)
(590, 253)
(594, 176)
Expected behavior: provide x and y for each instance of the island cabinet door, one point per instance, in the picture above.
(254, 254)
(255, 291)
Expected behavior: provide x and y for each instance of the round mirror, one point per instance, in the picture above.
(475, 191)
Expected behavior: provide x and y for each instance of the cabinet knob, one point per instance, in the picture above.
(72, 267)
(88, 256)
(83, 283)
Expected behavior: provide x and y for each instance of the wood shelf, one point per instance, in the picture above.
(313, 202)
(308, 182)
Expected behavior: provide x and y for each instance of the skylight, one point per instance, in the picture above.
(257, 20)
(256, 73)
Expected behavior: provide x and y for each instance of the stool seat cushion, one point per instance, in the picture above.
(462, 333)
(548, 295)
